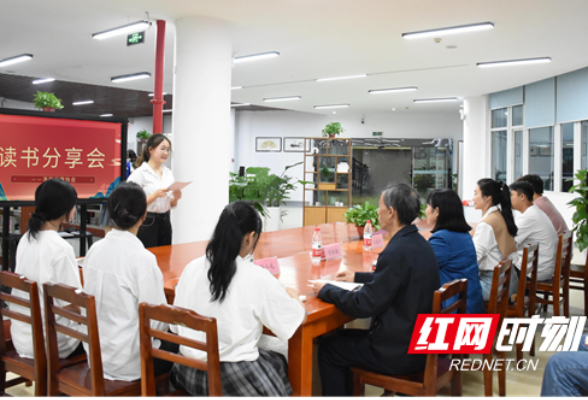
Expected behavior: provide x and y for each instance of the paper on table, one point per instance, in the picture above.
(342, 284)
(178, 186)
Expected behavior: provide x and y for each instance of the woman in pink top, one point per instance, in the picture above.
(544, 204)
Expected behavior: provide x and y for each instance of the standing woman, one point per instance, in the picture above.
(155, 179)
(494, 237)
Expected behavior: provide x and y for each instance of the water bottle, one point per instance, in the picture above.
(317, 245)
(367, 235)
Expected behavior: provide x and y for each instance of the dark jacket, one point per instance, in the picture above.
(401, 287)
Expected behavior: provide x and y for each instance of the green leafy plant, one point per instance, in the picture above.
(326, 173)
(332, 129)
(361, 213)
(143, 134)
(47, 100)
(580, 217)
(423, 181)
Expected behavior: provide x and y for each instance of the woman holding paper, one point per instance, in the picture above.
(155, 179)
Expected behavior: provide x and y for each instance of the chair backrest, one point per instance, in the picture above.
(15, 281)
(529, 265)
(184, 317)
(459, 288)
(79, 300)
(564, 258)
(499, 291)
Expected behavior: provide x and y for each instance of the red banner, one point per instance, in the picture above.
(34, 149)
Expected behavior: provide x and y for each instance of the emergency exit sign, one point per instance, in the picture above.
(135, 38)
(376, 133)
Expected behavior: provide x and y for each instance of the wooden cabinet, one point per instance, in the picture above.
(327, 164)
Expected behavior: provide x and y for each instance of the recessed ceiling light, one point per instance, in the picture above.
(121, 30)
(259, 56)
(43, 80)
(331, 106)
(15, 59)
(236, 87)
(341, 77)
(168, 111)
(438, 100)
(539, 60)
(153, 94)
(131, 77)
(400, 89)
(448, 31)
(393, 109)
(81, 103)
(106, 115)
(240, 104)
(274, 99)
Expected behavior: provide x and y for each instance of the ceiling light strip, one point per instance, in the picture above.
(42, 80)
(153, 94)
(507, 63)
(275, 99)
(448, 31)
(437, 100)
(106, 115)
(168, 111)
(15, 59)
(138, 26)
(331, 106)
(236, 87)
(240, 104)
(83, 102)
(400, 89)
(130, 77)
(338, 78)
(255, 57)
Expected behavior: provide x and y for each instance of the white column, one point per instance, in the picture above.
(201, 124)
(476, 138)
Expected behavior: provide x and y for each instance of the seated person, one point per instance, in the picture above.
(566, 373)
(494, 237)
(543, 202)
(534, 227)
(120, 273)
(400, 289)
(44, 256)
(453, 245)
(243, 298)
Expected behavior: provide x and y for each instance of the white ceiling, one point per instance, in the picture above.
(316, 39)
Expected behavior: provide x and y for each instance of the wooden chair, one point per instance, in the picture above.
(437, 372)
(527, 291)
(498, 304)
(10, 361)
(178, 316)
(559, 288)
(81, 379)
(578, 281)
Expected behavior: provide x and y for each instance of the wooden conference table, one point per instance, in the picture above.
(292, 247)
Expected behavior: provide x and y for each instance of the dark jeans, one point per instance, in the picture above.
(343, 350)
(156, 230)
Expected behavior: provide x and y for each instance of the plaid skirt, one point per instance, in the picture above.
(266, 376)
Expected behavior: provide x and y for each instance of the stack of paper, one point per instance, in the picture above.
(343, 285)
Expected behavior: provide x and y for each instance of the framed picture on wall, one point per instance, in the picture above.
(296, 144)
(534, 150)
(545, 150)
(268, 144)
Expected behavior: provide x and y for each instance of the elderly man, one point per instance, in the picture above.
(401, 288)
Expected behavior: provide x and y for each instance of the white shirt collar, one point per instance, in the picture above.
(490, 211)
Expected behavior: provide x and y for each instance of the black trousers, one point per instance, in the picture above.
(156, 230)
(345, 349)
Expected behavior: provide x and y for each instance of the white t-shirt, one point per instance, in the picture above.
(148, 179)
(536, 227)
(44, 259)
(254, 299)
(487, 250)
(120, 273)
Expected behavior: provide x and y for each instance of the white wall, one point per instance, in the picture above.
(139, 123)
(252, 124)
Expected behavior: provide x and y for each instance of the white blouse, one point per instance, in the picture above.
(255, 299)
(487, 250)
(148, 179)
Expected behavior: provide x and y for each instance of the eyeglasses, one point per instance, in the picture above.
(165, 149)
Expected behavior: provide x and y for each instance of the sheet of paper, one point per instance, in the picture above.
(178, 186)
(343, 285)
(271, 264)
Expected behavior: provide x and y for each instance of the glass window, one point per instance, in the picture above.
(499, 118)
(584, 144)
(518, 154)
(567, 136)
(517, 115)
(499, 155)
(541, 155)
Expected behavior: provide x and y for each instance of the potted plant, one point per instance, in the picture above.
(361, 213)
(142, 137)
(580, 217)
(332, 129)
(47, 101)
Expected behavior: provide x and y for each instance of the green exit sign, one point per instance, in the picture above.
(135, 38)
(376, 133)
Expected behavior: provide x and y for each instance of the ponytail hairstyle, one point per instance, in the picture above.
(127, 204)
(54, 199)
(500, 194)
(152, 143)
(237, 220)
